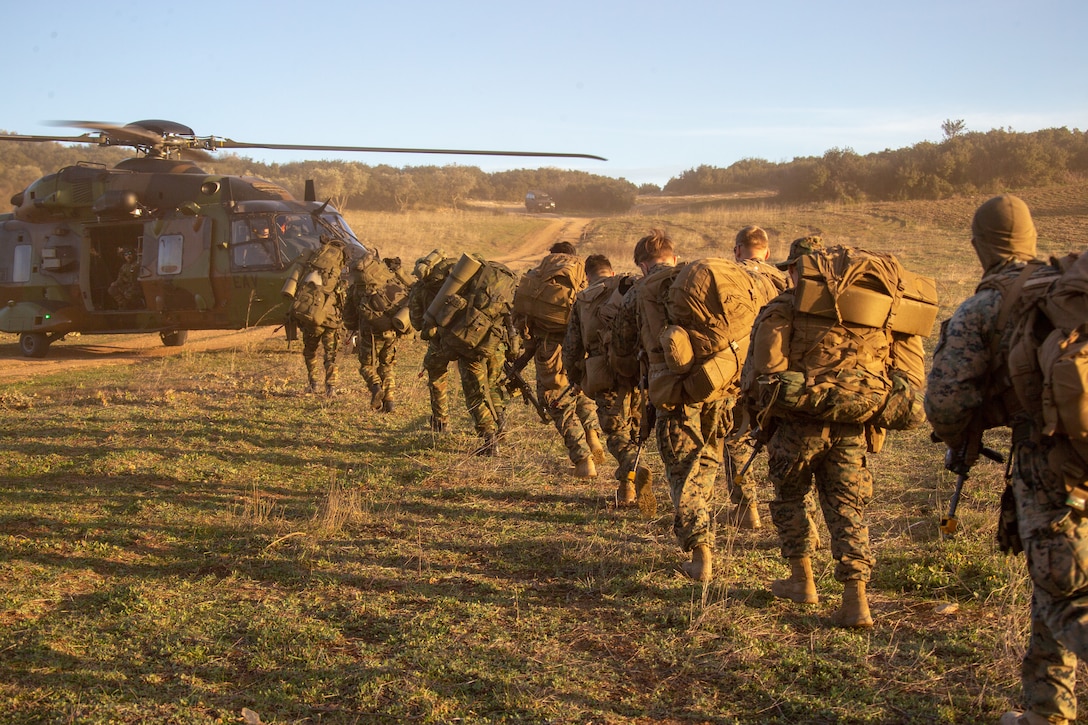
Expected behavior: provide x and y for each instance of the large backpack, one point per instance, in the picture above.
(377, 295)
(846, 344)
(711, 306)
(545, 294)
(318, 298)
(598, 306)
(1048, 350)
(664, 385)
(484, 300)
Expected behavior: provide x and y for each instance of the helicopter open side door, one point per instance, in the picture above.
(175, 265)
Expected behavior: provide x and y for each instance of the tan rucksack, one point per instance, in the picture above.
(545, 294)
(1048, 350)
(850, 340)
(711, 306)
(598, 306)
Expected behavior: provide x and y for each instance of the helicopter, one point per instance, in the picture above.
(196, 251)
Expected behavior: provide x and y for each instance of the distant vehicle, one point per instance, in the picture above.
(538, 201)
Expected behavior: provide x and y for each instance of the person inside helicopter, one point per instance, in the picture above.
(125, 290)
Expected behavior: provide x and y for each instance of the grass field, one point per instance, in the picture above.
(187, 537)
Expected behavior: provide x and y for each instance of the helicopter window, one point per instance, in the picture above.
(20, 271)
(252, 244)
(297, 234)
(170, 246)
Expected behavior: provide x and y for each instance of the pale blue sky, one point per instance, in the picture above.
(655, 87)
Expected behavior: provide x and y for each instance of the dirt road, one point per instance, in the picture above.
(81, 352)
(535, 246)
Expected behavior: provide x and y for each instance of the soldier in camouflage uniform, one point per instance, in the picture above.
(803, 451)
(431, 271)
(589, 334)
(326, 336)
(480, 368)
(968, 391)
(574, 414)
(751, 250)
(689, 437)
(376, 339)
(125, 290)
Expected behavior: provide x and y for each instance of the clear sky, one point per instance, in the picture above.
(656, 87)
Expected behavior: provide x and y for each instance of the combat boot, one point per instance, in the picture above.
(595, 447)
(438, 425)
(490, 446)
(387, 405)
(330, 390)
(625, 493)
(377, 397)
(746, 516)
(854, 611)
(311, 389)
(644, 490)
(800, 587)
(585, 468)
(701, 566)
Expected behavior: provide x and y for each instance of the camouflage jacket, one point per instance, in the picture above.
(969, 372)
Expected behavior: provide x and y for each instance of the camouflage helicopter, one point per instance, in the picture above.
(197, 251)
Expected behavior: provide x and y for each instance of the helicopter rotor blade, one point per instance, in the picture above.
(166, 138)
(85, 138)
(226, 143)
(119, 134)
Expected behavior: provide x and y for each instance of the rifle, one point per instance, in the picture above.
(761, 434)
(513, 381)
(647, 503)
(960, 463)
(290, 328)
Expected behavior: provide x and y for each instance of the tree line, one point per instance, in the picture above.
(963, 163)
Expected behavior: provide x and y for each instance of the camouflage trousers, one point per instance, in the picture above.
(377, 357)
(480, 374)
(329, 339)
(619, 412)
(743, 489)
(573, 413)
(834, 455)
(1055, 539)
(689, 439)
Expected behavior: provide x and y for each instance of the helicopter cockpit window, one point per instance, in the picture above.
(297, 234)
(253, 244)
(20, 269)
(170, 246)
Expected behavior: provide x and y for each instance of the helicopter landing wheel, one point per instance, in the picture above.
(174, 338)
(34, 344)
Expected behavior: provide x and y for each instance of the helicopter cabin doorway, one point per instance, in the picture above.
(115, 268)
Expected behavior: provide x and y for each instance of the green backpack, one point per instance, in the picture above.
(377, 295)
(488, 297)
(318, 300)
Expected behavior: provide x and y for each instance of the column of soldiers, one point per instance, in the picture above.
(617, 320)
